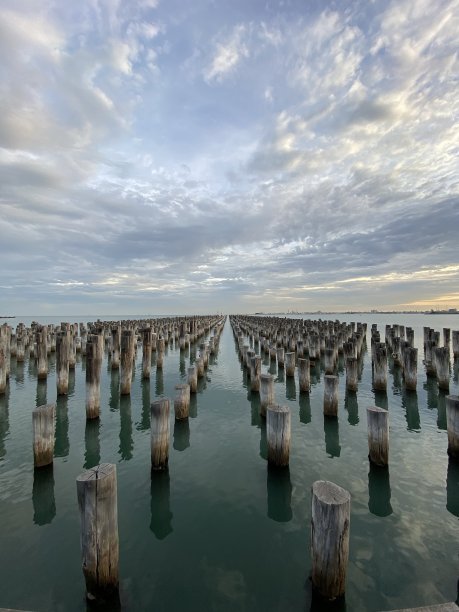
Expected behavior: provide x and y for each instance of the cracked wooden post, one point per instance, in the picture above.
(330, 521)
(182, 402)
(160, 433)
(93, 368)
(331, 395)
(290, 364)
(304, 375)
(452, 420)
(378, 435)
(146, 352)
(127, 358)
(278, 431)
(97, 502)
(193, 378)
(43, 435)
(352, 375)
(62, 363)
(410, 368)
(266, 392)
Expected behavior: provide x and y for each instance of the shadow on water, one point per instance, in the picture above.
(280, 375)
(181, 435)
(331, 429)
(254, 399)
(144, 424)
(114, 401)
(441, 410)
(381, 399)
(92, 443)
(61, 432)
(431, 388)
(126, 441)
(202, 384)
(452, 486)
(272, 368)
(44, 504)
(160, 504)
(159, 383)
(19, 374)
(340, 364)
(305, 408)
(290, 388)
(319, 604)
(315, 372)
(4, 420)
(279, 489)
(352, 406)
(263, 440)
(410, 404)
(41, 392)
(379, 492)
(193, 405)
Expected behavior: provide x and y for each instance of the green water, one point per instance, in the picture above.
(220, 531)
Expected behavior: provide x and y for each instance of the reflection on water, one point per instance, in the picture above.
(290, 388)
(114, 401)
(41, 392)
(92, 443)
(305, 408)
(452, 486)
(331, 429)
(61, 433)
(71, 382)
(181, 434)
(19, 372)
(381, 400)
(255, 409)
(441, 410)
(352, 406)
(159, 383)
(319, 604)
(126, 441)
(379, 490)
(44, 504)
(144, 424)
(193, 405)
(182, 364)
(430, 385)
(410, 403)
(314, 371)
(279, 494)
(263, 440)
(160, 504)
(4, 420)
(280, 375)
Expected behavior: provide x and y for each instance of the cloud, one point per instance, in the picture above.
(227, 55)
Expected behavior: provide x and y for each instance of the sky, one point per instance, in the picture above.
(162, 156)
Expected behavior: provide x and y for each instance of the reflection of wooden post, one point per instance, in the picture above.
(97, 501)
(160, 433)
(331, 395)
(331, 514)
(278, 434)
(304, 375)
(378, 435)
(452, 419)
(43, 434)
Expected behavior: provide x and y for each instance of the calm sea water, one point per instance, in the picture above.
(219, 531)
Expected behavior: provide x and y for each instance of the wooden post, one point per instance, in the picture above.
(97, 502)
(410, 368)
(331, 515)
(200, 367)
(290, 364)
(3, 381)
(280, 356)
(42, 353)
(266, 392)
(331, 395)
(93, 368)
(255, 369)
(452, 420)
(378, 435)
(146, 352)
(160, 350)
(182, 402)
(352, 378)
(442, 367)
(278, 435)
(127, 357)
(455, 335)
(116, 340)
(380, 367)
(193, 378)
(329, 361)
(160, 433)
(304, 375)
(62, 363)
(43, 434)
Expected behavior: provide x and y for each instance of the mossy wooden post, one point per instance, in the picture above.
(62, 363)
(266, 392)
(146, 352)
(442, 367)
(378, 435)
(97, 502)
(93, 368)
(352, 375)
(290, 364)
(160, 433)
(193, 378)
(116, 342)
(380, 367)
(42, 353)
(410, 368)
(255, 370)
(331, 395)
(330, 522)
(127, 357)
(160, 350)
(3, 380)
(43, 435)
(182, 402)
(304, 375)
(278, 431)
(452, 421)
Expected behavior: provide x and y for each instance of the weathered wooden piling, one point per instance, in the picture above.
(160, 433)
(452, 421)
(352, 374)
(3, 380)
(442, 366)
(255, 370)
(380, 367)
(97, 502)
(378, 435)
(290, 364)
(330, 522)
(182, 402)
(280, 352)
(160, 350)
(329, 361)
(278, 431)
(410, 368)
(62, 363)
(266, 392)
(116, 343)
(41, 339)
(304, 374)
(146, 352)
(43, 434)
(193, 378)
(455, 335)
(93, 369)
(331, 395)
(126, 361)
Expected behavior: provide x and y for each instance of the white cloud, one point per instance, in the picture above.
(228, 54)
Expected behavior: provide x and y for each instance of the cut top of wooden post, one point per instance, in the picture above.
(330, 493)
(97, 472)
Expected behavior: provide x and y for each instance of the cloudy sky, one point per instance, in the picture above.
(235, 155)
